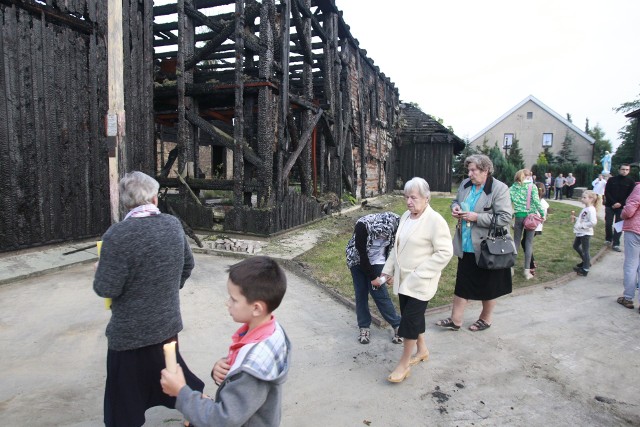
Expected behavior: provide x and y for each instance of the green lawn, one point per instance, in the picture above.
(552, 250)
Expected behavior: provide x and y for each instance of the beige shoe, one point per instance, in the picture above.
(417, 359)
(527, 274)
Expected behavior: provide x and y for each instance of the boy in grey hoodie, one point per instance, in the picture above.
(251, 375)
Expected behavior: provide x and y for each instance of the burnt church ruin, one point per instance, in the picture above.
(271, 103)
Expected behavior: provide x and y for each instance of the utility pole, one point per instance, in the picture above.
(115, 120)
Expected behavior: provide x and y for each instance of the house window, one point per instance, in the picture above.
(547, 139)
(529, 115)
(508, 140)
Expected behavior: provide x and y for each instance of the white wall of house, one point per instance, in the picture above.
(531, 123)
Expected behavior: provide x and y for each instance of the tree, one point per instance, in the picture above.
(459, 171)
(542, 159)
(515, 155)
(551, 158)
(484, 148)
(502, 170)
(626, 150)
(601, 144)
(566, 154)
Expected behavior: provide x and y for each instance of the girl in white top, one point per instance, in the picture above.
(583, 229)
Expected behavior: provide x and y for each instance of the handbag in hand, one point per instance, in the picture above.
(532, 220)
(497, 250)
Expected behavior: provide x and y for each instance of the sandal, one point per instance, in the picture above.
(479, 325)
(447, 323)
(626, 302)
(417, 359)
(397, 339)
(364, 336)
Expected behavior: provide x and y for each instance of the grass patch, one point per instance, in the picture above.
(553, 250)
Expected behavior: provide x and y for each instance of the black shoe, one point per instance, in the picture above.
(582, 272)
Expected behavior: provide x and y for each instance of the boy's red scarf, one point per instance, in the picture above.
(242, 338)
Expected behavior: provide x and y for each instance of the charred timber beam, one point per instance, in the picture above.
(223, 138)
(304, 10)
(52, 15)
(169, 9)
(301, 41)
(252, 12)
(303, 103)
(306, 137)
(251, 40)
(205, 89)
(204, 184)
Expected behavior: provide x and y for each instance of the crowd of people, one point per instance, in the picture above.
(146, 260)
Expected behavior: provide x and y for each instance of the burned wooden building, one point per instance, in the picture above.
(272, 101)
(425, 148)
(290, 108)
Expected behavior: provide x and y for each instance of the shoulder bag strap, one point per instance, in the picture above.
(528, 198)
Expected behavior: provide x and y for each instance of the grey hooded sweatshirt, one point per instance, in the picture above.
(251, 394)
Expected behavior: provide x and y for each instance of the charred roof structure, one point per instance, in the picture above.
(275, 93)
(270, 101)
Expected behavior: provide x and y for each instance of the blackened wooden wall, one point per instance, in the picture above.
(53, 84)
(432, 161)
(137, 24)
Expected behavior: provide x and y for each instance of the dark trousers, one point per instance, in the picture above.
(581, 245)
(559, 192)
(611, 215)
(570, 192)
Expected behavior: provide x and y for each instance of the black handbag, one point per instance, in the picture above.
(497, 251)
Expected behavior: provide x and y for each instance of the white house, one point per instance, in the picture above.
(535, 126)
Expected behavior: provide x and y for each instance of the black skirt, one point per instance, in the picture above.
(475, 283)
(412, 321)
(133, 384)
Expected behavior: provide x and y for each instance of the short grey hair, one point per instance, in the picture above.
(137, 189)
(483, 162)
(419, 184)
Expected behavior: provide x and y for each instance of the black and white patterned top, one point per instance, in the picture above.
(369, 229)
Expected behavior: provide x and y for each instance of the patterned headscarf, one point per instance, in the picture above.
(379, 226)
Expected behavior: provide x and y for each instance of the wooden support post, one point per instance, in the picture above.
(266, 104)
(186, 135)
(283, 136)
(116, 115)
(238, 125)
(363, 139)
(307, 82)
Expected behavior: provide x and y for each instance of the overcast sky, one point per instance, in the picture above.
(469, 62)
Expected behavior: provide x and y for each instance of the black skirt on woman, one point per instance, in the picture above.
(475, 283)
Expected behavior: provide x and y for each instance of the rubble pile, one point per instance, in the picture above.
(237, 245)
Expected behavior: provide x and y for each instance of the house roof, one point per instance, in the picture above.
(634, 114)
(544, 107)
(419, 127)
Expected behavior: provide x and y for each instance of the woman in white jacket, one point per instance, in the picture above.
(422, 249)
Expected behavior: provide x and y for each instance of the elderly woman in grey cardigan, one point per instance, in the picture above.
(480, 198)
(144, 262)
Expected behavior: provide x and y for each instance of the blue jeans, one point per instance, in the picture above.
(631, 266)
(362, 288)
